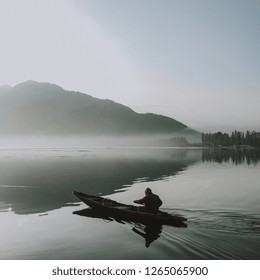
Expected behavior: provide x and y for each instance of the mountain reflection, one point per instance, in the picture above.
(41, 182)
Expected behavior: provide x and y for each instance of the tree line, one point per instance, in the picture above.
(235, 139)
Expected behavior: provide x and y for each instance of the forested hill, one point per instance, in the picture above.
(47, 109)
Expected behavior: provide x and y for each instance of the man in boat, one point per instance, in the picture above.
(151, 201)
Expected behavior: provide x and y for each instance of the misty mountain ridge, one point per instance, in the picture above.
(43, 109)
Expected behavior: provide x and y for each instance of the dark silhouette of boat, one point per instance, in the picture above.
(101, 207)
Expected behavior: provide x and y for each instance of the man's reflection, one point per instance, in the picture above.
(150, 232)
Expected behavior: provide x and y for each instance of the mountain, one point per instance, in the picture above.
(42, 109)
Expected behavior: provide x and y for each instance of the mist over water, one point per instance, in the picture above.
(220, 198)
(94, 141)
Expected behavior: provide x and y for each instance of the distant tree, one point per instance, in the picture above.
(237, 138)
(180, 141)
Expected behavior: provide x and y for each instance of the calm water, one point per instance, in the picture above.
(219, 193)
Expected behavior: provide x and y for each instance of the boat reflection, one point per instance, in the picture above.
(149, 231)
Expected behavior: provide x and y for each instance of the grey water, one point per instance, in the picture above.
(217, 191)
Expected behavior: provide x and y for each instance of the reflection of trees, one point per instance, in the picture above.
(179, 154)
(237, 156)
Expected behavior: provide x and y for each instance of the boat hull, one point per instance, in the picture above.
(111, 209)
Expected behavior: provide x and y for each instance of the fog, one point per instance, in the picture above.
(105, 141)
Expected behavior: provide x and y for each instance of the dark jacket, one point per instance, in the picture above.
(151, 202)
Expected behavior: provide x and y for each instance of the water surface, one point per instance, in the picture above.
(217, 192)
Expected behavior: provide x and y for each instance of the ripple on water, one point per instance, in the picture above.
(213, 235)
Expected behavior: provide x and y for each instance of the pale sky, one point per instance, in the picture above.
(195, 61)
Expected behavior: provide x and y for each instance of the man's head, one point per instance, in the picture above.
(148, 191)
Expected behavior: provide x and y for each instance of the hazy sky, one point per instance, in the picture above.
(196, 61)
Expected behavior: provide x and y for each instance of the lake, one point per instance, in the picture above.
(217, 191)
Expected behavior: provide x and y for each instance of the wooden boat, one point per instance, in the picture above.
(104, 207)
